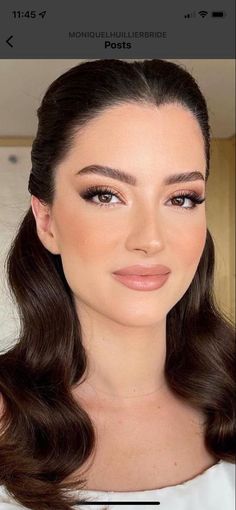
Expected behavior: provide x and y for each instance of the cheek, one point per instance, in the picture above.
(190, 245)
(85, 241)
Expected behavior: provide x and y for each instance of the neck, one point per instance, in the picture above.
(124, 363)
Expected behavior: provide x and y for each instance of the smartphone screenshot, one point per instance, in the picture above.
(117, 255)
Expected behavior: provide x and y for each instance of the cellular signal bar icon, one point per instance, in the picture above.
(203, 14)
(190, 15)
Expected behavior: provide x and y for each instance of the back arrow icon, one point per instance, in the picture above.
(7, 41)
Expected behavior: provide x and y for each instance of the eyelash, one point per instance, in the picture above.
(91, 192)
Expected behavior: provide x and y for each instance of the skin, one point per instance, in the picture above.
(124, 331)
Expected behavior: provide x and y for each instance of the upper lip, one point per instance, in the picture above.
(144, 270)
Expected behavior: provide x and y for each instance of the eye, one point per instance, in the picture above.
(194, 198)
(98, 191)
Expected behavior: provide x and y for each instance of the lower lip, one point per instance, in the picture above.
(148, 282)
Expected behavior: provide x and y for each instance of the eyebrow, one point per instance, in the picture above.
(122, 176)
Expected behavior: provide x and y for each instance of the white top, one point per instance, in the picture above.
(213, 489)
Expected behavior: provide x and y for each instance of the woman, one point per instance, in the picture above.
(121, 383)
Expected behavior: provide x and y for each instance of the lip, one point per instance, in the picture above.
(143, 270)
(141, 282)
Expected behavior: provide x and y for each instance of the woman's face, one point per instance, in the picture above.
(137, 224)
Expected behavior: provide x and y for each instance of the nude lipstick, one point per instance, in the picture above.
(143, 277)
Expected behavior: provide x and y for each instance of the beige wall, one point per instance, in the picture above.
(22, 141)
(220, 207)
(221, 220)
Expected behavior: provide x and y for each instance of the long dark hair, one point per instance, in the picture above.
(46, 434)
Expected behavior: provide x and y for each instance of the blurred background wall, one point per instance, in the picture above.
(220, 209)
(23, 84)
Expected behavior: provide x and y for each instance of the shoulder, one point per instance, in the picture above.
(228, 471)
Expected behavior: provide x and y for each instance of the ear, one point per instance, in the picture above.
(43, 218)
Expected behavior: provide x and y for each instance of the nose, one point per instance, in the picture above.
(146, 233)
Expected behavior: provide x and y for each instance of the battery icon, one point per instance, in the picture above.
(218, 14)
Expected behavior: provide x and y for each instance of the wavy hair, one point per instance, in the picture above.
(45, 434)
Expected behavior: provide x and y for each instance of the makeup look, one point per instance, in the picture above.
(130, 192)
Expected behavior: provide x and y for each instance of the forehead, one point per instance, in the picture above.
(141, 136)
(170, 118)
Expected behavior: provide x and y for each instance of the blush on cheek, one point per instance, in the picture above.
(193, 246)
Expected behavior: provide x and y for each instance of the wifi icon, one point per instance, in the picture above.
(203, 14)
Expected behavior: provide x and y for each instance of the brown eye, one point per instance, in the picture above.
(97, 191)
(193, 198)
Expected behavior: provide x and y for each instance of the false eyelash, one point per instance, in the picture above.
(194, 197)
(99, 190)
